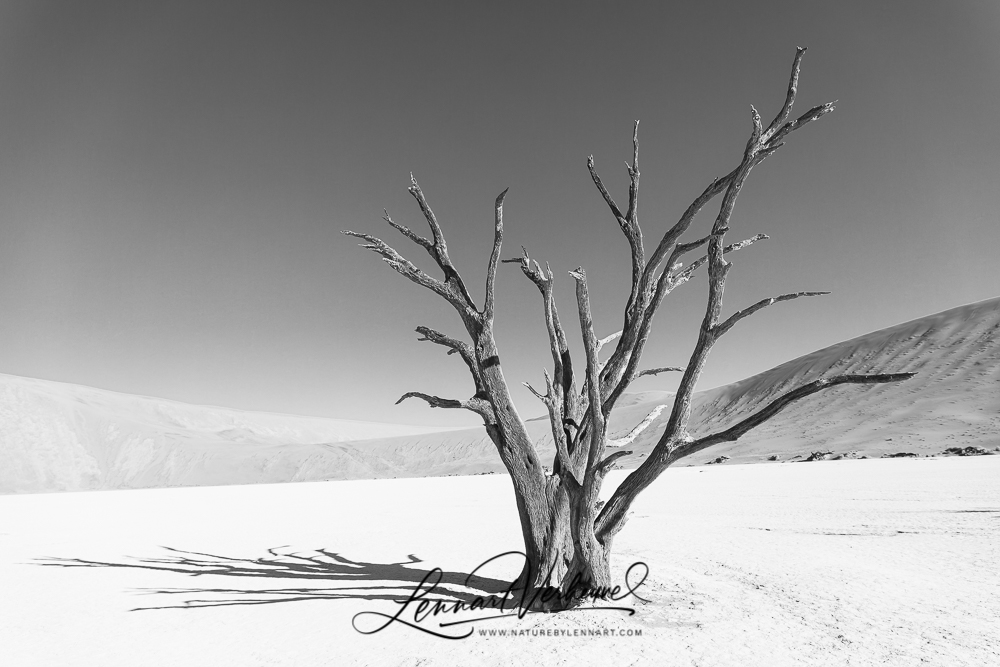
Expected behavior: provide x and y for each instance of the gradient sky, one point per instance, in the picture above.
(174, 177)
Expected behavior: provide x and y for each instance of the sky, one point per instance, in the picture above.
(174, 178)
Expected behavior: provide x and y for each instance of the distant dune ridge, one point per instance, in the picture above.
(62, 437)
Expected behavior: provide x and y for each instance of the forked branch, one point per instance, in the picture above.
(553, 401)
(562, 363)
(628, 221)
(455, 346)
(409, 270)
(666, 283)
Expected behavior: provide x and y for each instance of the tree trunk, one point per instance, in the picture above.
(560, 573)
(589, 571)
(563, 558)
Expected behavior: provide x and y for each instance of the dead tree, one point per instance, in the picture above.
(567, 533)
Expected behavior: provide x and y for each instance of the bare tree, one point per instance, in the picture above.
(567, 532)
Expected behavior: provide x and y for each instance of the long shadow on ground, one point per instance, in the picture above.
(356, 580)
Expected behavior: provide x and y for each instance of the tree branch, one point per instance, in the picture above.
(763, 303)
(552, 400)
(456, 346)
(626, 356)
(440, 253)
(633, 171)
(793, 87)
(665, 284)
(612, 515)
(682, 248)
(672, 235)
(761, 144)
(777, 405)
(598, 425)
(605, 466)
(806, 118)
(629, 221)
(409, 233)
(478, 405)
(757, 129)
(409, 270)
(562, 363)
(769, 139)
(639, 428)
(492, 400)
(607, 339)
(657, 371)
(542, 397)
(615, 211)
(491, 272)
(685, 274)
(718, 269)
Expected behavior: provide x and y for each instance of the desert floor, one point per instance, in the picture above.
(865, 562)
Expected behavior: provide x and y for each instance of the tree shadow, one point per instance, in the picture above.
(355, 580)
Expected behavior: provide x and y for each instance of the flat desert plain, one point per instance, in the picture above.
(851, 562)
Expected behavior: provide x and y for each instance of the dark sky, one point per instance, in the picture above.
(174, 178)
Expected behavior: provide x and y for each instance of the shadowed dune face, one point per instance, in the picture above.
(58, 437)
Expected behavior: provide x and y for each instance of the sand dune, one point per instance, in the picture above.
(63, 437)
(953, 402)
(60, 437)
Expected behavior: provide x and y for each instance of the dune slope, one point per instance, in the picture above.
(63, 437)
(954, 401)
(59, 437)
